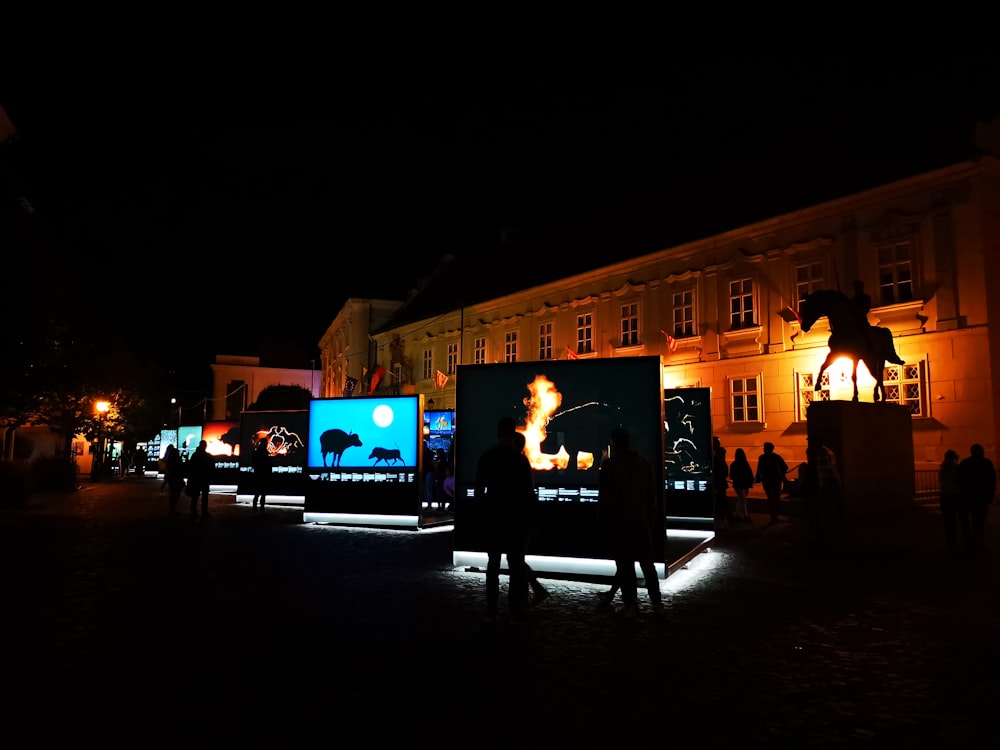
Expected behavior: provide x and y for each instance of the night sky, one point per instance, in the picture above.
(212, 202)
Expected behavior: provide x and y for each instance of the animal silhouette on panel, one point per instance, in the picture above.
(851, 336)
(336, 441)
(386, 455)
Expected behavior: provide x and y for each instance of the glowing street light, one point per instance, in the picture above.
(102, 407)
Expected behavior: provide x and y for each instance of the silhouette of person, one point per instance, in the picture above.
(627, 502)
(770, 475)
(538, 590)
(977, 479)
(173, 475)
(954, 508)
(821, 489)
(200, 468)
(261, 464)
(862, 302)
(720, 474)
(505, 490)
(742, 476)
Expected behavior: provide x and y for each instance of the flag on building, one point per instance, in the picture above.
(789, 315)
(671, 341)
(377, 376)
(440, 379)
(349, 386)
(570, 354)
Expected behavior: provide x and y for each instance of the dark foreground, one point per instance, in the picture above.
(127, 628)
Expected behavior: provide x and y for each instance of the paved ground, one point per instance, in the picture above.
(128, 628)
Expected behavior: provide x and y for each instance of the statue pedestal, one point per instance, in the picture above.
(874, 447)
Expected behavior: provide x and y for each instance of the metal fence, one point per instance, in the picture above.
(926, 485)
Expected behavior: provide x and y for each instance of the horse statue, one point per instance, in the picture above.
(851, 336)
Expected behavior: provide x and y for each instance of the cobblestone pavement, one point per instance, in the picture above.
(126, 627)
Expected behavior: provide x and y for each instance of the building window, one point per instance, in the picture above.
(236, 391)
(904, 384)
(397, 375)
(427, 371)
(510, 346)
(545, 340)
(808, 392)
(585, 333)
(452, 358)
(745, 400)
(684, 314)
(808, 279)
(741, 303)
(630, 324)
(479, 350)
(895, 273)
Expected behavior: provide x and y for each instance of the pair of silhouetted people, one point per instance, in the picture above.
(260, 462)
(821, 489)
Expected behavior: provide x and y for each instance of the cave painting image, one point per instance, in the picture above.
(687, 429)
(363, 432)
(280, 441)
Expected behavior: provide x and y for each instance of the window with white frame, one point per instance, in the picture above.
(684, 313)
(452, 358)
(479, 350)
(545, 340)
(427, 370)
(895, 273)
(905, 385)
(808, 393)
(510, 346)
(741, 303)
(808, 279)
(584, 333)
(630, 324)
(745, 400)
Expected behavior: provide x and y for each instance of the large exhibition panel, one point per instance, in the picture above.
(285, 433)
(363, 460)
(566, 410)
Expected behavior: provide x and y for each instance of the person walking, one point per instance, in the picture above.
(977, 479)
(954, 508)
(742, 476)
(627, 503)
(538, 590)
(505, 491)
(720, 483)
(173, 475)
(821, 487)
(770, 475)
(261, 464)
(200, 468)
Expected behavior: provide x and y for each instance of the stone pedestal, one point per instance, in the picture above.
(874, 447)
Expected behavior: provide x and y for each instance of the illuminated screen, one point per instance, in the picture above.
(286, 433)
(439, 429)
(167, 437)
(222, 438)
(187, 440)
(687, 452)
(363, 455)
(566, 410)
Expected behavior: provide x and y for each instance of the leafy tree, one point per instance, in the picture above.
(282, 398)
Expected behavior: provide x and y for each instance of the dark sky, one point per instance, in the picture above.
(215, 201)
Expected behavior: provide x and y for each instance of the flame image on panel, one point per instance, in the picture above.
(542, 404)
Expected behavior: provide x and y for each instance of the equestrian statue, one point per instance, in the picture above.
(851, 335)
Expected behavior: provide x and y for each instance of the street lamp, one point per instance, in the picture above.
(102, 412)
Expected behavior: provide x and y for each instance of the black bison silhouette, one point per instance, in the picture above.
(386, 454)
(232, 439)
(336, 442)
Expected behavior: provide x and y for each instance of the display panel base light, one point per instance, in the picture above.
(362, 519)
(296, 501)
(581, 566)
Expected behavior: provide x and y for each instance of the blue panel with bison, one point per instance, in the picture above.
(363, 455)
